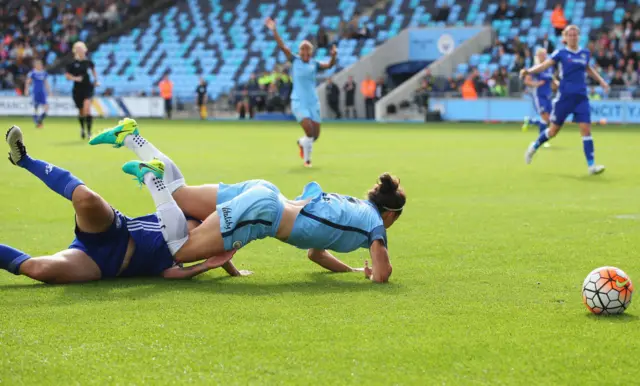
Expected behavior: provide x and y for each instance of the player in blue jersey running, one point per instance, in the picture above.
(573, 66)
(235, 215)
(37, 78)
(304, 99)
(107, 244)
(541, 92)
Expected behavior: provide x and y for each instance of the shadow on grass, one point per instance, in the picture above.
(303, 170)
(602, 179)
(619, 318)
(320, 283)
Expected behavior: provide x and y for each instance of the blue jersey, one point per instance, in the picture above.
(572, 68)
(544, 91)
(304, 81)
(338, 223)
(38, 79)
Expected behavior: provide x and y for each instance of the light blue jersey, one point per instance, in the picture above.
(338, 223)
(304, 81)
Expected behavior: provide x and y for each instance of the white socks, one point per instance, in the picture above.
(307, 147)
(172, 220)
(145, 151)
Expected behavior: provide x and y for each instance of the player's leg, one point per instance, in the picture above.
(93, 213)
(68, 266)
(172, 220)
(78, 100)
(45, 111)
(88, 118)
(306, 142)
(582, 116)
(560, 110)
(35, 113)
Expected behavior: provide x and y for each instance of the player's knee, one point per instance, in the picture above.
(84, 198)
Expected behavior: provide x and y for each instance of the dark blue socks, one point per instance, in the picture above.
(57, 179)
(11, 259)
(544, 137)
(589, 150)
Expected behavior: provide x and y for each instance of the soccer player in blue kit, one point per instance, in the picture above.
(235, 215)
(540, 85)
(573, 65)
(108, 244)
(37, 78)
(304, 99)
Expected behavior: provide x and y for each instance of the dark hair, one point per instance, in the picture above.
(387, 195)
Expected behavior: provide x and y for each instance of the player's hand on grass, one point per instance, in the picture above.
(367, 270)
(271, 25)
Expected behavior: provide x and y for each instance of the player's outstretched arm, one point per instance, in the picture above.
(537, 68)
(27, 86)
(595, 75)
(528, 81)
(332, 62)
(271, 25)
(326, 260)
(179, 272)
(381, 269)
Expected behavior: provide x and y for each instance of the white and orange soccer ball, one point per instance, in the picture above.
(607, 290)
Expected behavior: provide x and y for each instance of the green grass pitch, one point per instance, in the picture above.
(488, 260)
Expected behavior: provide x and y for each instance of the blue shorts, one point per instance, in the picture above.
(108, 249)
(254, 214)
(229, 192)
(306, 110)
(542, 105)
(39, 99)
(575, 104)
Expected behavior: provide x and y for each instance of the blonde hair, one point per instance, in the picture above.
(305, 43)
(566, 30)
(539, 50)
(79, 46)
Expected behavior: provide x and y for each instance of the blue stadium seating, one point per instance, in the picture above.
(225, 41)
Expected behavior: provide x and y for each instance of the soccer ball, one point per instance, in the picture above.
(607, 290)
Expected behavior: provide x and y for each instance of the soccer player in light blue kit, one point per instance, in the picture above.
(304, 99)
(37, 78)
(235, 215)
(541, 93)
(573, 64)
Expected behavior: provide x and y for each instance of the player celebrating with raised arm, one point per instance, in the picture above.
(83, 86)
(540, 85)
(38, 79)
(572, 98)
(107, 244)
(305, 104)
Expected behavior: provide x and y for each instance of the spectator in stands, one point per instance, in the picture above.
(368, 90)
(518, 63)
(322, 40)
(630, 76)
(547, 44)
(350, 98)
(381, 89)
(610, 73)
(274, 100)
(518, 47)
(202, 97)
(521, 11)
(243, 102)
(558, 20)
(333, 97)
(166, 93)
(421, 97)
(468, 89)
(111, 15)
(617, 80)
(443, 13)
(429, 78)
(502, 11)
(594, 95)
(253, 87)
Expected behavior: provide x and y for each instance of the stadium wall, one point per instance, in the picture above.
(513, 110)
(108, 107)
(476, 40)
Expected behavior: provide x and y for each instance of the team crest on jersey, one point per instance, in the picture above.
(237, 244)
